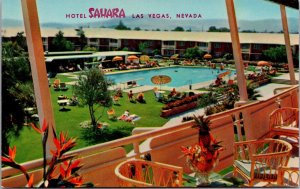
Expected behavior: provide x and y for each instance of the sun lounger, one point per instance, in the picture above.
(63, 87)
(132, 118)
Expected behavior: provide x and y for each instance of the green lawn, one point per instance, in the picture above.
(30, 141)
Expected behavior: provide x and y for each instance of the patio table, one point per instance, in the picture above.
(63, 103)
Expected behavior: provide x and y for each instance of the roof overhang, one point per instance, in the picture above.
(98, 55)
(289, 3)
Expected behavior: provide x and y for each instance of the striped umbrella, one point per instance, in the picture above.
(207, 56)
(175, 56)
(117, 58)
(132, 57)
(161, 79)
(263, 63)
(144, 58)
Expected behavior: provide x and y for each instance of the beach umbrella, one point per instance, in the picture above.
(175, 56)
(144, 58)
(161, 79)
(132, 57)
(117, 58)
(207, 56)
(263, 63)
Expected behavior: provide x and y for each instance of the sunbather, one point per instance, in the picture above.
(172, 93)
(124, 116)
(140, 97)
(130, 96)
(131, 117)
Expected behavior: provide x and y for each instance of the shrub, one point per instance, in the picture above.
(206, 99)
(104, 134)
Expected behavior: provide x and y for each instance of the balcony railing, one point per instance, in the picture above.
(164, 143)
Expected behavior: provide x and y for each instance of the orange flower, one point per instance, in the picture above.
(44, 127)
(30, 182)
(11, 155)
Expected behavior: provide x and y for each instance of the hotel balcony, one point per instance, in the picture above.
(168, 45)
(248, 122)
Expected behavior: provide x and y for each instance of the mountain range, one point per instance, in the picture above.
(266, 25)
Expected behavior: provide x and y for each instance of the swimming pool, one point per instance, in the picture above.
(180, 76)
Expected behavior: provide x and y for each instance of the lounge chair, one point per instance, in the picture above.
(111, 114)
(116, 99)
(132, 118)
(131, 84)
(56, 84)
(63, 87)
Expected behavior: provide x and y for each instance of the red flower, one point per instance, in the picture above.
(11, 155)
(44, 127)
(30, 182)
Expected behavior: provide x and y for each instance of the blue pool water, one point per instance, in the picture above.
(180, 76)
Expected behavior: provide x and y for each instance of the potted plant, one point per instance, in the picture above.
(66, 177)
(203, 156)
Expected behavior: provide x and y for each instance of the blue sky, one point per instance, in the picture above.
(55, 10)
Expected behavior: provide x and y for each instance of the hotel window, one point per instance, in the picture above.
(93, 40)
(245, 46)
(201, 44)
(257, 46)
(217, 45)
(113, 41)
(181, 43)
(149, 43)
(169, 43)
(44, 39)
(125, 42)
(104, 41)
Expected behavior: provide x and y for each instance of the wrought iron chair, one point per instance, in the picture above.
(141, 173)
(259, 160)
(111, 114)
(288, 176)
(56, 84)
(284, 122)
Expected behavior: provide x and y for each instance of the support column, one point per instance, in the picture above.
(38, 67)
(236, 47)
(287, 44)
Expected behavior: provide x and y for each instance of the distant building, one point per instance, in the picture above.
(166, 42)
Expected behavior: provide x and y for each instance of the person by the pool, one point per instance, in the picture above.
(173, 93)
(218, 81)
(130, 95)
(125, 115)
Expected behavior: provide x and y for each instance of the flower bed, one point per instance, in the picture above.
(180, 106)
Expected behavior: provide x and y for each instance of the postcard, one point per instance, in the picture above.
(149, 93)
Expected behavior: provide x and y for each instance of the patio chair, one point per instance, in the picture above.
(56, 84)
(288, 176)
(141, 173)
(63, 87)
(111, 114)
(284, 122)
(259, 160)
(116, 100)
